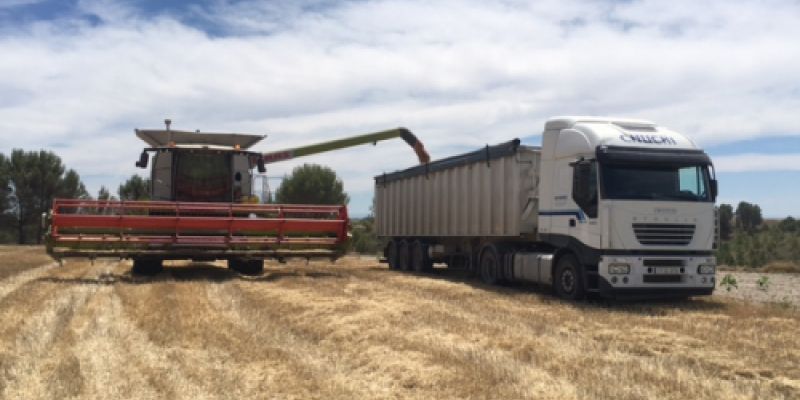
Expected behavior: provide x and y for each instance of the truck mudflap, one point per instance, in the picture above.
(606, 290)
(181, 230)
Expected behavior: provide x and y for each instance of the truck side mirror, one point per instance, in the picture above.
(143, 159)
(714, 189)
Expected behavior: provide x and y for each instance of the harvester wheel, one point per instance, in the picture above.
(420, 260)
(144, 266)
(403, 253)
(246, 267)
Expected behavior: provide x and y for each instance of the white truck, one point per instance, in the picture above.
(619, 207)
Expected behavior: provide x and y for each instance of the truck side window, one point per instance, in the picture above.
(584, 187)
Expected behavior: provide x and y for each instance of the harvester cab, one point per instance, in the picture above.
(200, 167)
(202, 207)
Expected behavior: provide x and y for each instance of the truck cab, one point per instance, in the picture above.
(631, 203)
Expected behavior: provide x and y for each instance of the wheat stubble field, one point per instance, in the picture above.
(357, 330)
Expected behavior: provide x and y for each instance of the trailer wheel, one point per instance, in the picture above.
(147, 266)
(568, 281)
(420, 260)
(490, 266)
(403, 253)
(391, 254)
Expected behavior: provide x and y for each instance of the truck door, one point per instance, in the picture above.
(585, 194)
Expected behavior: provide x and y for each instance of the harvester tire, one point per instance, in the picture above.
(247, 267)
(142, 266)
(420, 260)
(403, 256)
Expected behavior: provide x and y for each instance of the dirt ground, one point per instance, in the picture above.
(355, 329)
(779, 288)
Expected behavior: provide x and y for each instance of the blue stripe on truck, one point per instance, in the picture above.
(577, 213)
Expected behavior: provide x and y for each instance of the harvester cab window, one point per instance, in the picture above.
(203, 177)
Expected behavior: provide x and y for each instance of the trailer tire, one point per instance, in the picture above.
(568, 279)
(147, 266)
(391, 254)
(403, 256)
(490, 266)
(420, 260)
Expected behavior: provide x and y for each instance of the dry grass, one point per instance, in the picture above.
(783, 267)
(15, 259)
(358, 330)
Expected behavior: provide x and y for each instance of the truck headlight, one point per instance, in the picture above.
(619, 269)
(706, 269)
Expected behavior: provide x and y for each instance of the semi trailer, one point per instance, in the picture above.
(622, 208)
(202, 206)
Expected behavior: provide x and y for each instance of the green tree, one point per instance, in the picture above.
(104, 194)
(725, 221)
(311, 184)
(35, 179)
(789, 224)
(135, 188)
(748, 217)
(6, 215)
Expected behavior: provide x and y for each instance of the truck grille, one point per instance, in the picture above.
(664, 234)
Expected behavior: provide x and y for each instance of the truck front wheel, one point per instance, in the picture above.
(568, 280)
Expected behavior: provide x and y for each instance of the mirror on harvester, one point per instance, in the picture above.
(143, 159)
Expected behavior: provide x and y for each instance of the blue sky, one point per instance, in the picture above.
(78, 76)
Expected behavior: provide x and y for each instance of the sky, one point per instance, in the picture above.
(76, 77)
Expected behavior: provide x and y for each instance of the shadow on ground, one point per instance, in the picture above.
(192, 273)
(543, 293)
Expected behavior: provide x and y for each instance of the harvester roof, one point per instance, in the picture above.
(162, 138)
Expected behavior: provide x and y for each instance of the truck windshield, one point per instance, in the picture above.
(644, 182)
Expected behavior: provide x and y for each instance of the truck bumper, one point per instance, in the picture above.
(653, 277)
(610, 292)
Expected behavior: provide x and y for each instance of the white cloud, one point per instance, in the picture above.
(751, 162)
(458, 73)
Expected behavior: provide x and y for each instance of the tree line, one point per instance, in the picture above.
(30, 180)
(746, 239)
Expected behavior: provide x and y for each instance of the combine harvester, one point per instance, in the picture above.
(202, 207)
